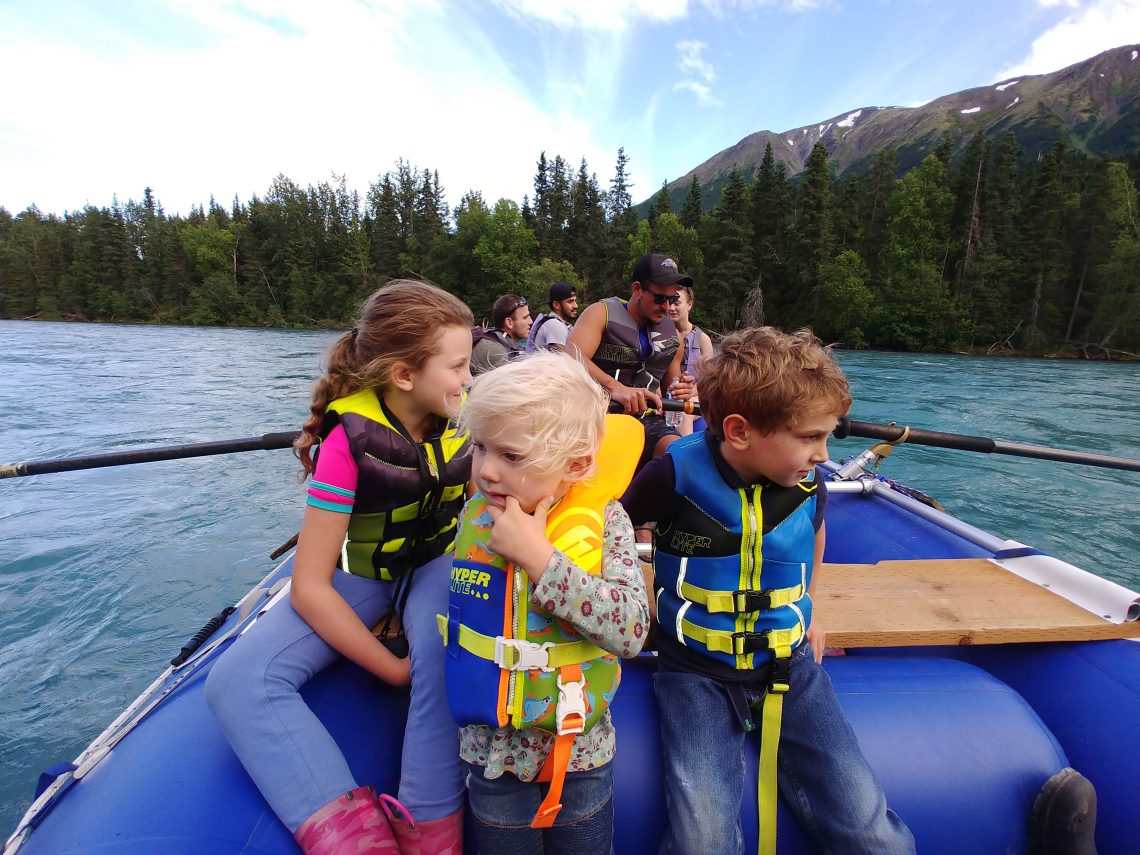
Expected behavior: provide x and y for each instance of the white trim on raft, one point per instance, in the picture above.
(151, 696)
(1100, 596)
(940, 518)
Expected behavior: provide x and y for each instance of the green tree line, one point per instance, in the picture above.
(979, 249)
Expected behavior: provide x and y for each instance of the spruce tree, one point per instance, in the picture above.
(814, 239)
(691, 210)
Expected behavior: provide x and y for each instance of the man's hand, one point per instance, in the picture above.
(634, 401)
(683, 388)
(521, 537)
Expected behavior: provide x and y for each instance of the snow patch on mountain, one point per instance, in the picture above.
(849, 122)
(1014, 101)
(1135, 53)
(1005, 86)
(790, 142)
(970, 110)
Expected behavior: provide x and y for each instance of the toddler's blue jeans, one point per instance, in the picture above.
(502, 809)
(822, 774)
(254, 692)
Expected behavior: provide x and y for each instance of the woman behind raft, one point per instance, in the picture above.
(695, 347)
(546, 576)
(386, 489)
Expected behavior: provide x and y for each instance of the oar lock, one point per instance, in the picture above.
(868, 462)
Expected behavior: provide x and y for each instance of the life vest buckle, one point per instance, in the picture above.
(780, 677)
(751, 601)
(518, 654)
(570, 712)
(749, 642)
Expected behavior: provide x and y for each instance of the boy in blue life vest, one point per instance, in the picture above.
(739, 530)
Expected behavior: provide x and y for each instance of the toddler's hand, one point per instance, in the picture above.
(521, 537)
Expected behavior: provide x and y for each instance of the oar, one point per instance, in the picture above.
(938, 439)
(265, 442)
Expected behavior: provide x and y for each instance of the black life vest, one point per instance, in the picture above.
(408, 494)
(620, 352)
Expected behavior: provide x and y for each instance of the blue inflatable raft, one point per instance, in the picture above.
(984, 683)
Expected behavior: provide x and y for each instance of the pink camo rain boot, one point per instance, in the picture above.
(438, 837)
(348, 825)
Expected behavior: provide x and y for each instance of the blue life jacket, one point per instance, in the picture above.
(724, 588)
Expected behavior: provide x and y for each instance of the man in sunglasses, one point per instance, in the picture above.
(631, 347)
(511, 321)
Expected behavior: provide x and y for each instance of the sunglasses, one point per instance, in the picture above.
(518, 305)
(658, 299)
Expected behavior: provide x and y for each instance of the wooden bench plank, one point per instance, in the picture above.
(959, 601)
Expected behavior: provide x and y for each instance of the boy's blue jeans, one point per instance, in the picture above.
(254, 692)
(502, 809)
(822, 774)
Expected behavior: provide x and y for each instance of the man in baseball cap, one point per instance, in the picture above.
(659, 268)
(631, 346)
(563, 311)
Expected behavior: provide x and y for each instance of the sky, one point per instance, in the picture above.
(201, 98)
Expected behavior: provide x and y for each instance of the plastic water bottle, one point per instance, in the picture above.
(673, 418)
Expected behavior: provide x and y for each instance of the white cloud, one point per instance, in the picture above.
(691, 61)
(720, 8)
(283, 87)
(1085, 32)
(606, 15)
(703, 92)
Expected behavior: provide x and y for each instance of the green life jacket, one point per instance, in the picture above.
(408, 493)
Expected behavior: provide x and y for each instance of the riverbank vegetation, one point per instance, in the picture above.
(979, 250)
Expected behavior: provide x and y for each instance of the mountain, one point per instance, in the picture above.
(1094, 105)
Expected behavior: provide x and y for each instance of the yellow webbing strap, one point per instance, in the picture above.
(725, 601)
(721, 641)
(766, 791)
(483, 646)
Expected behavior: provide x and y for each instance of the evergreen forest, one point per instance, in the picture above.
(979, 249)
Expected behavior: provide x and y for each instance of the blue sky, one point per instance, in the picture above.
(201, 97)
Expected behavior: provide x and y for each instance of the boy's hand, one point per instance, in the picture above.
(521, 537)
(817, 638)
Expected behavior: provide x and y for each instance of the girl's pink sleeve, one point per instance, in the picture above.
(333, 487)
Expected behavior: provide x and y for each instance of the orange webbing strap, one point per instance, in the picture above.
(557, 761)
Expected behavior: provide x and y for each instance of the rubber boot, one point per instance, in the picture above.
(353, 823)
(1064, 816)
(438, 837)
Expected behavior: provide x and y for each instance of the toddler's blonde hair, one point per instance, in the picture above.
(547, 402)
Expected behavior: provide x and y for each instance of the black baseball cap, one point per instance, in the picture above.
(659, 268)
(561, 291)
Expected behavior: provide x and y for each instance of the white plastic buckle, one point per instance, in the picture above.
(530, 655)
(571, 700)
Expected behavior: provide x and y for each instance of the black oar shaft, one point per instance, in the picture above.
(265, 442)
(965, 442)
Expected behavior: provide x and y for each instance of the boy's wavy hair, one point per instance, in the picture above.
(548, 403)
(772, 378)
(401, 322)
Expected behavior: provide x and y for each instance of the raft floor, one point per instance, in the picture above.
(947, 602)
